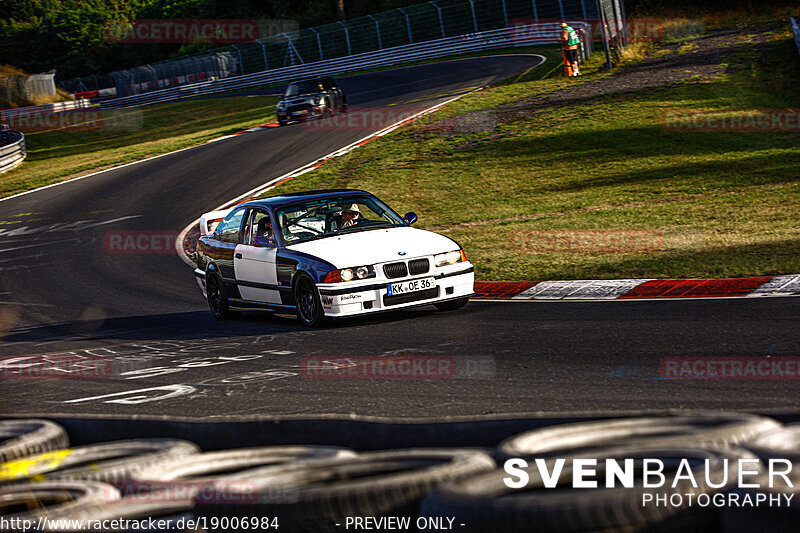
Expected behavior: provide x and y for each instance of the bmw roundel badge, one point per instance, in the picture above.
(401, 253)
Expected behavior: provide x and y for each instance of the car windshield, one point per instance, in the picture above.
(315, 219)
(304, 87)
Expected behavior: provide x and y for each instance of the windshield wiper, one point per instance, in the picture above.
(354, 229)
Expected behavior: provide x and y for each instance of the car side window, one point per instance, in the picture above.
(262, 227)
(228, 229)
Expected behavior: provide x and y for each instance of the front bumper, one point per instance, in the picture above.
(312, 112)
(200, 277)
(370, 296)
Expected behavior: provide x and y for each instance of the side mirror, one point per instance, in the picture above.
(263, 242)
(410, 217)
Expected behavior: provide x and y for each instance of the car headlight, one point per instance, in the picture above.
(317, 100)
(349, 274)
(449, 258)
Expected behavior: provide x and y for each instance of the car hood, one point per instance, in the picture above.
(376, 246)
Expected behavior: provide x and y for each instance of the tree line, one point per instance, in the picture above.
(71, 35)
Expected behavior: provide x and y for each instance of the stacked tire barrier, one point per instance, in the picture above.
(45, 485)
(12, 149)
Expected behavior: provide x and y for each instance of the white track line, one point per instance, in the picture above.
(99, 172)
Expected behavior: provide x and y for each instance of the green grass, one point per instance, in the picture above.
(710, 204)
(132, 134)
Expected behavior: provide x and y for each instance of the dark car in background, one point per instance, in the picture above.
(311, 98)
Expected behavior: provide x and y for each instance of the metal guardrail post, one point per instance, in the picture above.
(264, 53)
(603, 27)
(319, 43)
(153, 71)
(796, 31)
(535, 10)
(561, 8)
(620, 29)
(583, 9)
(474, 19)
(377, 32)
(441, 21)
(291, 49)
(623, 23)
(241, 63)
(505, 13)
(408, 24)
(347, 37)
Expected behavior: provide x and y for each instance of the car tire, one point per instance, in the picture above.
(24, 437)
(452, 305)
(722, 429)
(106, 462)
(307, 302)
(782, 442)
(281, 122)
(54, 500)
(314, 495)
(236, 464)
(217, 299)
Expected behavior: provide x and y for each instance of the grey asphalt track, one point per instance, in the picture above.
(143, 314)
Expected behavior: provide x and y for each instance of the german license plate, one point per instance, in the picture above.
(410, 286)
(302, 112)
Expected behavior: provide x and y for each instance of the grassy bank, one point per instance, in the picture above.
(598, 187)
(127, 135)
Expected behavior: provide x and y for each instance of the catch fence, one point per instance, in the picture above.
(398, 29)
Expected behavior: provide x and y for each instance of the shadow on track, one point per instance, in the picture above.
(193, 325)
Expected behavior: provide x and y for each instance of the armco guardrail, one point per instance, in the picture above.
(57, 107)
(12, 149)
(515, 36)
(796, 29)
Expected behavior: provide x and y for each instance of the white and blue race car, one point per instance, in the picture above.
(326, 254)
